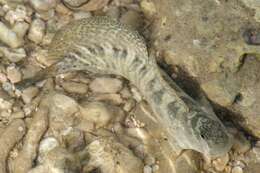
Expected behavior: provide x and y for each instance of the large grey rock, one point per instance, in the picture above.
(208, 40)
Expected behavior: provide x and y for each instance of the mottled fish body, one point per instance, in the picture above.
(102, 45)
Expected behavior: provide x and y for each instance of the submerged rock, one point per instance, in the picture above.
(43, 5)
(188, 162)
(106, 85)
(37, 31)
(112, 157)
(99, 113)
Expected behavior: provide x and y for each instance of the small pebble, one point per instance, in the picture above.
(5, 105)
(129, 105)
(256, 151)
(29, 70)
(9, 37)
(5, 114)
(46, 145)
(13, 154)
(43, 5)
(148, 169)
(20, 28)
(18, 114)
(221, 162)
(74, 140)
(64, 105)
(19, 15)
(126, 93)
(75, 87)
(7, 86)
(81, 15)
(37, 31)
(3, 78)
(148, 8)
(155, 168)
(139, 151)
(13, 55)
(139, 133)
(97, 112)
(13, 74)
(106, 85)
(149, 160)
(237, 169)
(29, 93)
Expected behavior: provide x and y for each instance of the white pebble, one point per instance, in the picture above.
(29, 93)
(221, 162)
(81, 15)
(9, 37)
(106, 85)
(18, 15)
(20, 129)
(13, 74)
(4, 104)
(21, 28)
(237, 169)
(13, 55)
(46, 145)
(37, 31)
(138, 133)
(148, 8)
(5, 114)
(43, 5)
(148, 169)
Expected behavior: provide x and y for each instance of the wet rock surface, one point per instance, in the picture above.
(80, 122)
(222, 60)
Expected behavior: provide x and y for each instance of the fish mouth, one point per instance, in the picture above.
(221, 150)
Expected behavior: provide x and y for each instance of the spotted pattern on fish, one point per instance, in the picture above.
(103, 45)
